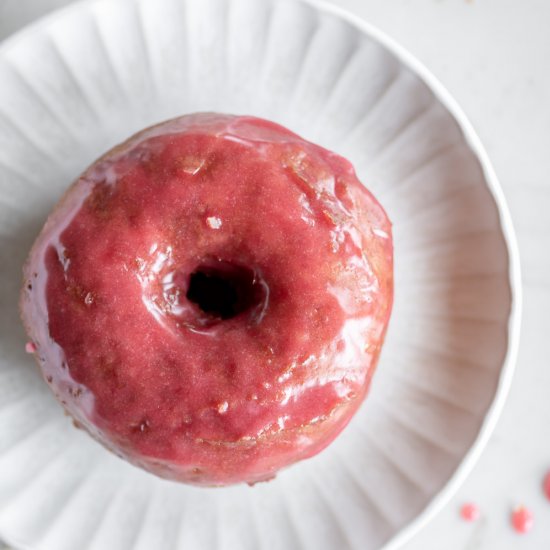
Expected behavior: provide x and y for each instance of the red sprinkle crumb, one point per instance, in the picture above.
(522, 519)
(469, 512)
(546, 485)
(30, 347)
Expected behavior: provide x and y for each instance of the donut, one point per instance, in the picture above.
(209, 299)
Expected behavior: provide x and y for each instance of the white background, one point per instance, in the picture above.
(494, 57)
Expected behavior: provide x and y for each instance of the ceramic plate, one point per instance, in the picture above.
(84, 79)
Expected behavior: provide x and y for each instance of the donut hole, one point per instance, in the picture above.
(226, 290)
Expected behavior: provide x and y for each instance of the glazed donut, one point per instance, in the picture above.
(209, 299)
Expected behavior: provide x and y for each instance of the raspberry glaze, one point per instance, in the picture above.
(206, 393)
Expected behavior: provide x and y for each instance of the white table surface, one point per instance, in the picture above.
(494, 57)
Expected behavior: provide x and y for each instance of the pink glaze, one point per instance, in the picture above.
(170, 387)
(522, 519)
(546, 485)
(30, 347)
(469, 512)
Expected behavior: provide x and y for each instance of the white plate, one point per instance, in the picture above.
(84, 79)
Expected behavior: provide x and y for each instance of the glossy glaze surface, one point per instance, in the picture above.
(181, 391)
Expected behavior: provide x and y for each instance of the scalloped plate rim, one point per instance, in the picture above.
(444, 96)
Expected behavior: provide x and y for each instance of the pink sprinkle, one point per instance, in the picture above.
(30, 347)
(469, 512)
(522, 519)
(546, 485)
